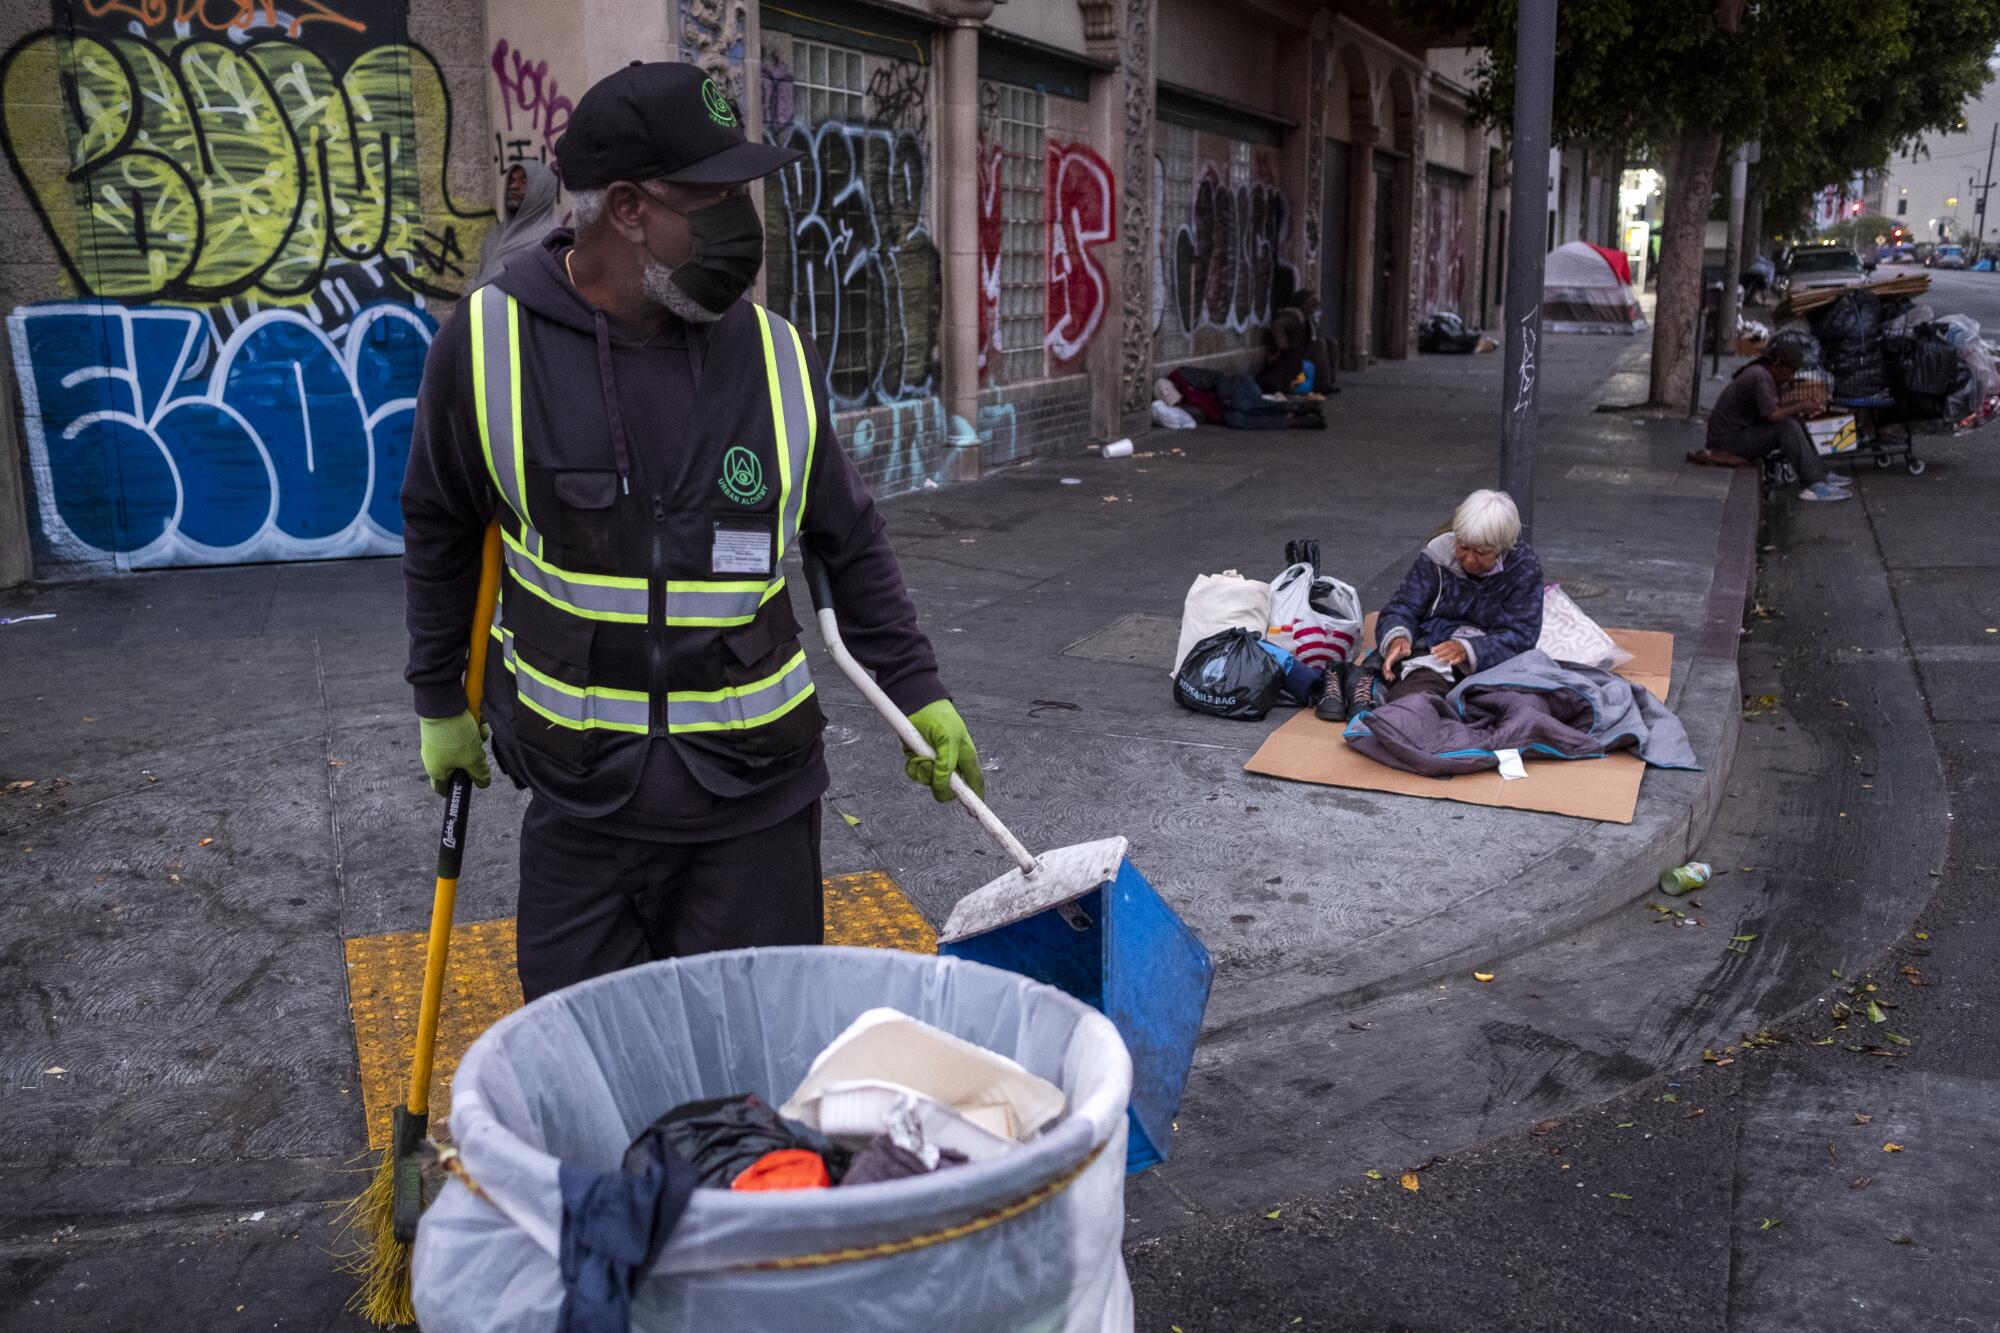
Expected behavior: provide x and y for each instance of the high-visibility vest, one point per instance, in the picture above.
(616, 626)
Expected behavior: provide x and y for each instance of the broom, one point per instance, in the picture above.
(386, 1213)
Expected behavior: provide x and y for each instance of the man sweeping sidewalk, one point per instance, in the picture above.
(652, 445)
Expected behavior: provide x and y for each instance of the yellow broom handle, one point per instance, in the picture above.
(451, 843)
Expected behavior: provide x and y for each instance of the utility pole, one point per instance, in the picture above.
(1991, 140)
(1534, 93)
(1724, 332)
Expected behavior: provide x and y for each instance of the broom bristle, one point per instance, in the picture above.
(379, 1261)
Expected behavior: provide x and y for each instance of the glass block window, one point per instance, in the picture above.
(1177, 320)
(828, 83)
(1018, 129)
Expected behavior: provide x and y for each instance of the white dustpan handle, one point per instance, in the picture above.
(829, 630)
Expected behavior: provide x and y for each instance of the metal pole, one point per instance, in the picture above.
(1534, 91)
(1694, 380)
(1732, 253)
(1985, 189)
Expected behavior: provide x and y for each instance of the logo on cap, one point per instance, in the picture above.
(717, 105)
(742, 476)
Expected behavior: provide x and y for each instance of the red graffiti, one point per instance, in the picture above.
(991, 227)
(525, 86)
(1079, 215)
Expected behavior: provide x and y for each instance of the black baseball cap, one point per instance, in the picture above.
(661, 120)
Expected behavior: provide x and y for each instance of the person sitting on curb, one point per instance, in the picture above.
(1749, 421)
(1472, 600)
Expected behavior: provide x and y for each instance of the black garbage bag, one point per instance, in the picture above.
(1799, 341)
(1926, 365)
(1444, 331)
(724, 1136)
(1228, 675)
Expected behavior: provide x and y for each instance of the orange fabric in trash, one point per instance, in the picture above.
(785, 1169)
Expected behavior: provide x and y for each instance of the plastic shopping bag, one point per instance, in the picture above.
(1317, 619)
(1218, 602)
(1230, 675)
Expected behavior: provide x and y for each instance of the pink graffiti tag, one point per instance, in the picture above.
(990, 228)
(1080, 215)
(525, 86)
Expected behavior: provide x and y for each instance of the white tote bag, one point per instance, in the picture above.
(1317, 619)
(1218, 602)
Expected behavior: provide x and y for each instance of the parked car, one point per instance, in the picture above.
(1948, 256)
(1900, 254)
(1812, 266)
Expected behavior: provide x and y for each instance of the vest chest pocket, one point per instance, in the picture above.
(586, 520)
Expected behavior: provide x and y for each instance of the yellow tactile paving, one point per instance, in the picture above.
(385, 978)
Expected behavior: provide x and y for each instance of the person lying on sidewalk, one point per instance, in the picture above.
(1472, 600)
(1749, 421)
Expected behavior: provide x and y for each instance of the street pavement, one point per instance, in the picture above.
(239, 797)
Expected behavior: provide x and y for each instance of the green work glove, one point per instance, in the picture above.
(944, 730)
(451, 743)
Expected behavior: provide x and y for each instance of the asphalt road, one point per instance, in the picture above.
(1664, 1122)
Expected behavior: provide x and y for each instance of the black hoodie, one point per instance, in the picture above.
(448, 499)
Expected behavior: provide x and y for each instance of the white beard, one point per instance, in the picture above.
(661, 290)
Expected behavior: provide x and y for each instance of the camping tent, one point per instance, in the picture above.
(1582, 293)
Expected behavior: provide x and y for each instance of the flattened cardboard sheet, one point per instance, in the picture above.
(1306, 749)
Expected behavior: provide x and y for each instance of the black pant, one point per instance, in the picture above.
(1787, 437)
(593, 903)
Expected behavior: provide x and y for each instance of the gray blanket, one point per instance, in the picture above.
(1530, 703)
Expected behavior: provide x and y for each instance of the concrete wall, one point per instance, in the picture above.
(213, 335)
(1226, 51)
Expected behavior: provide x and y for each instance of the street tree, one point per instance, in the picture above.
(1686, 79)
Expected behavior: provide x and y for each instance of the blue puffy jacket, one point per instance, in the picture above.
(1497, 616)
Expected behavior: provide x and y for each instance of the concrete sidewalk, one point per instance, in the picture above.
(227, 793)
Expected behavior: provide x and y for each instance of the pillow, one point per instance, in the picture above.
(1568, 635)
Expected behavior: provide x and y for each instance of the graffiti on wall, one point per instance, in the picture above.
(903, 445)
(252, 226)
(1222, 264)
(849, 248)
(992, 227)
(534, 110)
(1444, 249)
(1080, 215)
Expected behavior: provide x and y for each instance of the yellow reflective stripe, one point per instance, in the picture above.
(621, 617)
(735, 691)
(727, 604)
(514, 407)
(479, 389)
(745, 724)
(778, 414)
(591, 707)
(570, 575)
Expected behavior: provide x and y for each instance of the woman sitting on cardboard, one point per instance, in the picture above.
(1472, 600)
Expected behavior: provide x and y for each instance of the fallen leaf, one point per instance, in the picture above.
(1670, 1097)
(1892, 1147)
(1901, 1238)
(1862, 1182)
(1482, 976)
(1695, 1114)
(1765, 1224)
(204, 842)
(1898, 1038)
(1543, 1128)
(1825, 1041)
(1861, 1119)
(1272, 1216)
(57, 1070)
(1410, 1182)
(26, 784)
(1831, 1151)
(1875, 1014)
(1923, 934)
(1627, 1124)
(1742, 939)
(1373, 1175)
(1616, 1195)
(853, 821)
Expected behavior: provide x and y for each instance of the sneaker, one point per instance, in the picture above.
(1358, 689)
(1826, 491)
(1840, 479)
(1332, 705)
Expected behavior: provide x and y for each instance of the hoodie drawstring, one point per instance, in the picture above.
(609, 383)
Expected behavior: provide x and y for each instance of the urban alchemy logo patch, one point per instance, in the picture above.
(742, 476)
(717, 105)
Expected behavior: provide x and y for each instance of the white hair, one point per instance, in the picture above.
(1487, 521)
(585, 208)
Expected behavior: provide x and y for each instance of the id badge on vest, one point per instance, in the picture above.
(741, 545)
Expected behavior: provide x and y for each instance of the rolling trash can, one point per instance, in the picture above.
(1029, 1240)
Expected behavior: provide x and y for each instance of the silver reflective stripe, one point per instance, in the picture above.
(593, 596)
(794, 420)
(744, 707)
(495, 366)
(573, 706)
(704, 603)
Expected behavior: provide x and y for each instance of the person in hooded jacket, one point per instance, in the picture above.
(652, 446)
(530, 214)
(1472, 600)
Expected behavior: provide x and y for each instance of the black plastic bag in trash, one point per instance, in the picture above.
(1797, 340)
(725, 1135)
(1228, 675)
(1926, 365)
(1444, 331)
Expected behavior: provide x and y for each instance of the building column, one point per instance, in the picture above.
(1360, 245)
(956, 155)
(1122, 30)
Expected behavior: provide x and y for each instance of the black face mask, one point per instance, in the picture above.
(728, 251)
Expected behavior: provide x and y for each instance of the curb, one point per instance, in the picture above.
(1600, 870)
